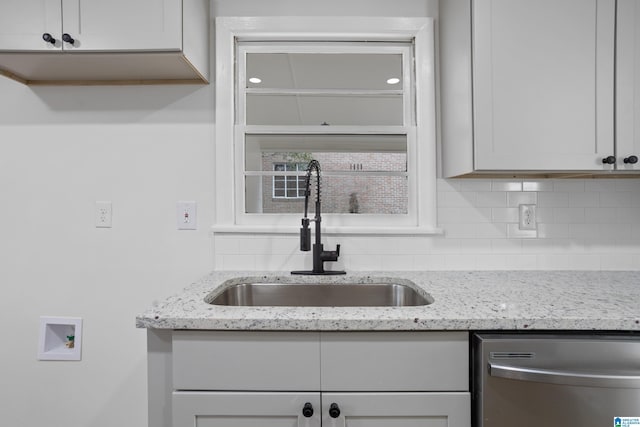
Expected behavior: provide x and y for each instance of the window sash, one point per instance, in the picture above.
(318, 47)
(329, 219)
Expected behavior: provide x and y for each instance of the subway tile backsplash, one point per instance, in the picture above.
(591, 224)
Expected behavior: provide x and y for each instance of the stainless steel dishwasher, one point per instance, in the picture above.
(556, 380)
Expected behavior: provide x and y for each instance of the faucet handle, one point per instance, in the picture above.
(330, 255)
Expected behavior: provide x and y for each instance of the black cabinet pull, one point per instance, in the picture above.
(609, 160)
(307, 410)
(48, 38)
(631, 160)
(334, 410)
(67, 38)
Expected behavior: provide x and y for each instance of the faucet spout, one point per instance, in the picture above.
(320, 256)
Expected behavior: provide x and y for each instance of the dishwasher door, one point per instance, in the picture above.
(556, 380)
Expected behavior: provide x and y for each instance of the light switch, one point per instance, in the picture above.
(186, 215)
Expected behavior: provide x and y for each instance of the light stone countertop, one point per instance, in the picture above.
(465, 300)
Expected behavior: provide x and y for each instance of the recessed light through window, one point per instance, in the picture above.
(393, 81)
(255, 80)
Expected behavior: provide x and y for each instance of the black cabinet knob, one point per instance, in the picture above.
(334, 410)
(631, 160)
(67, 38)
(307, 410)
(609, 160)
(48, 38)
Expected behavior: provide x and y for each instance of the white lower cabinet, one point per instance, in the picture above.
(397, 409)
(220, 409)
(244, 409)
(308, 379)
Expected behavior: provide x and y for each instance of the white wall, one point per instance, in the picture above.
(61, 149)
(144, 148)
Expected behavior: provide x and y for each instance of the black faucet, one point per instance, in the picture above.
(320, 256)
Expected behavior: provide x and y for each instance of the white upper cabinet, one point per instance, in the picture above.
(24, 22)
(543, 83)
(122, 25)
(90, 25)
(527, 85)
(169, 36)
(628, 85)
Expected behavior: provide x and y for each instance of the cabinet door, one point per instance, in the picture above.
(628, 84)
(24, 22)
(397, 409)
(543, 84)
(212, 409)
(122, 25)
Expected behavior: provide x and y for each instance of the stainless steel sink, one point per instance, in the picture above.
(320, 295)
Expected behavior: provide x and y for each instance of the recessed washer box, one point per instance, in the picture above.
(60, 338)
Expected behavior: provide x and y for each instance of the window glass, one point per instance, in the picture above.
(350, 71)
(341, 194)
(327, 110)
(364, 153)
(324, 89)
(360, 173)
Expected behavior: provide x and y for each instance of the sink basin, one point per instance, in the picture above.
(319, 295)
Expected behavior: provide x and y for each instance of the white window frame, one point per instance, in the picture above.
(421, 138)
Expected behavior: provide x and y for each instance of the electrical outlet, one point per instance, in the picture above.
(103, 214)
(527, 219)
(186, 218)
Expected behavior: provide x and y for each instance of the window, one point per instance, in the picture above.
(342, 91)
(364, 90)
(288, 186)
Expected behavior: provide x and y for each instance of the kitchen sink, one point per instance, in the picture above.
(377, 294)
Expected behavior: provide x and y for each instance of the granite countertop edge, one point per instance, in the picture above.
(463, 300)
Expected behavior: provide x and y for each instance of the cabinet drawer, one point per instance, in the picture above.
(395, 361)
(231, 360)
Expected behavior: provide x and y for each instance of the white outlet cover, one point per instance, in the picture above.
(103, 214)
(54, 343)
(527, 217)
